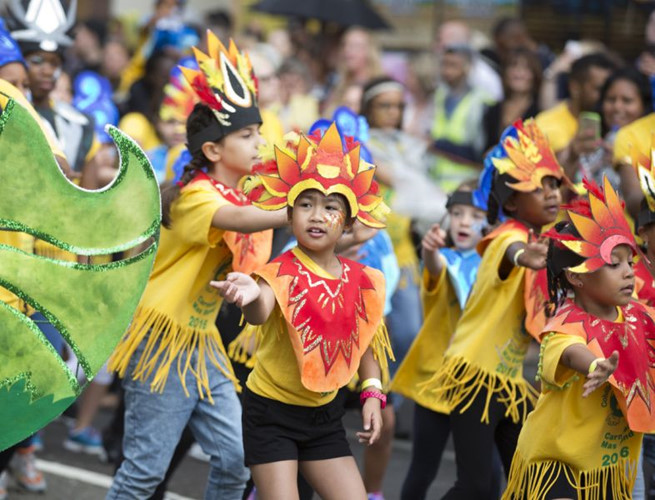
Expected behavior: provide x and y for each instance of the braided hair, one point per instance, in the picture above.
(499, 194)
(200, 118)
(559, 259)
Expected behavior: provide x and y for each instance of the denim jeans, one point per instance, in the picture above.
(154, 423)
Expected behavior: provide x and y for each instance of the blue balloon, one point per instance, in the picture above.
(92, 94)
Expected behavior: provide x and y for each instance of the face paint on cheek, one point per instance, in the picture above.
(479, 226)
(333, 219)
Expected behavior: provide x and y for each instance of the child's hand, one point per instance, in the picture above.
(237, 288)
(434, 239)
(599, 376)
(534, 253)
(372, 421)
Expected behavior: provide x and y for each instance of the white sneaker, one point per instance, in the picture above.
(23, 468)
(196, 452)
(4, 480)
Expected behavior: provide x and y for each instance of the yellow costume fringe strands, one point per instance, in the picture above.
(459, 382)
(175, 342)
(534, 480)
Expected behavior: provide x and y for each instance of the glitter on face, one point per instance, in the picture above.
(334, 219)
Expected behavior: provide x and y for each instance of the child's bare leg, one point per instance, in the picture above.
(276, 480)
(376, 456)
(334, 478)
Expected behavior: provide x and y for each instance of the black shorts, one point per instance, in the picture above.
(275, 431)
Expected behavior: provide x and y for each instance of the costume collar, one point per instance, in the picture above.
(234, 196)
(634, 340)
(462, 269)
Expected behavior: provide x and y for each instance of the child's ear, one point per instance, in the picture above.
(573, 279)
(510, 205)
(643, 234)
(289, 213)
(348, 225)
(212, 151)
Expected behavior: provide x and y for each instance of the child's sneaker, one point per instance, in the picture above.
(87, 440)
(23, 468)
(4, 480)
(196, 452)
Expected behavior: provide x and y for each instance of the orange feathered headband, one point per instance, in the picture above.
(600, 221)
(314, 162)
(526, 157)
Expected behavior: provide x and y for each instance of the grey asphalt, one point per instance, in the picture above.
(190, 478)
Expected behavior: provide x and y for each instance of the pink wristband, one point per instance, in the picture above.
(373, 394)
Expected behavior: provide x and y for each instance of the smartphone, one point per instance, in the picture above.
(590, 121)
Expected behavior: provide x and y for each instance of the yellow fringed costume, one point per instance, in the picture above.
(594, 442)
(177, 312)
(489, 344)
(586, 439)
(441, 311)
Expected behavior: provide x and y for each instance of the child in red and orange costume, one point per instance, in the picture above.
(597, 364)
(480, 383)
(644, 282)
(320, 320)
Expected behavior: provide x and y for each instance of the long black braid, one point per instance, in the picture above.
(200, 118)
(559, 259)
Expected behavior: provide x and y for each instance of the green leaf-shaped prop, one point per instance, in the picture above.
(91, 305)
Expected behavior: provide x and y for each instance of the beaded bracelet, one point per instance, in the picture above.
(373, 394)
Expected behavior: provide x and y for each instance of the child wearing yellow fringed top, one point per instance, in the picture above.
(597, 364)
(480, 383)
(451, 265)
(321, 322)
(175, 368)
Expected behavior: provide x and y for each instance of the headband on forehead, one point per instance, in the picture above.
(382, 87)
(461, 198)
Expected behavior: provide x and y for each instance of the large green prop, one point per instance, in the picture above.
(91, 305)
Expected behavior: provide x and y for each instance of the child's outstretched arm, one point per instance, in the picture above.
(597, 370)
(433, 241)
(371, 410)
(531, 254)
(248, 219)
(256, 299)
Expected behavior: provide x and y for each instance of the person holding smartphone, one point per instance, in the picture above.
(570, 132)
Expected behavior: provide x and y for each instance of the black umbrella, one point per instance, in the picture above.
(341, 12)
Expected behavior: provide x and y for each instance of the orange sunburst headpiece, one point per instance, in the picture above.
(318, 163)
(179, 97)
(600, 221)
(226, 83)
(528, 157)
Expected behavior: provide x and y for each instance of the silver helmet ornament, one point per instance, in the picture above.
(43, 24)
